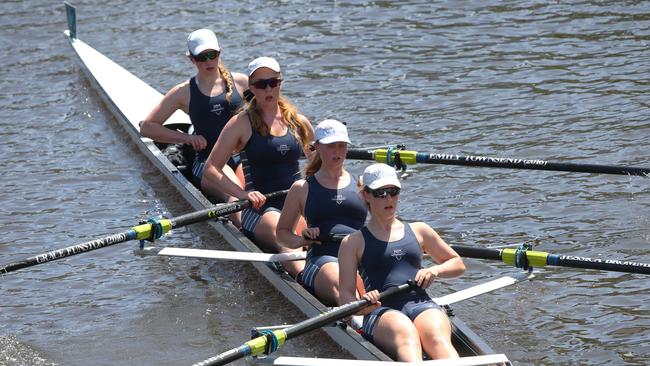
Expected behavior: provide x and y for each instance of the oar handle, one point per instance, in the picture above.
(329, 238)
(342, 312)
(219, 210)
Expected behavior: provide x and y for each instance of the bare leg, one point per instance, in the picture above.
(265, 236)
(326, 284)
(217, 194)
(434, 329)
(397, 336)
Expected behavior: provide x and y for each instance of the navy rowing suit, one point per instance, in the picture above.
(333, 211)
(389, 264)
(209, 115)
(270, 164)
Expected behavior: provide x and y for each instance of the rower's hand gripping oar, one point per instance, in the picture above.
(272, 340)
(151, 230)
(397, 157)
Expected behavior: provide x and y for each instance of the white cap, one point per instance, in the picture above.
(330, 131)
(269, 62)
(380, 175)
(201, 40)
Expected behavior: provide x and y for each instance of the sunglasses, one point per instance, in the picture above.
(205, 56)
(263, 83)
(383, 192)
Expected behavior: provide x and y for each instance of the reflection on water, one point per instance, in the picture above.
(555, 81)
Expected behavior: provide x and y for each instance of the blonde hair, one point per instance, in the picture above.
(229, 82)
(289, 116)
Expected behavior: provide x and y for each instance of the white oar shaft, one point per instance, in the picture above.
(226, 254)
(483, 288)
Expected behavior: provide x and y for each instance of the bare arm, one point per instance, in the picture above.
(449, 264)
(350, 253)
(231, 139)
(348, 265)
(152, 126)
(292, 210)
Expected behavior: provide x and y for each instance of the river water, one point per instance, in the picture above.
(561, 81)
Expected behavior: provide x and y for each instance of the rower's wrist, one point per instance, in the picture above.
(435, 271)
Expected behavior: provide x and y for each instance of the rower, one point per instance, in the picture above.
(388, 253)
(329, 201)
(210, 98)
(270, 136)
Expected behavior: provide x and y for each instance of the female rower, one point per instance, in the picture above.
(270, 136)
(388, 253)
(330, 203)
(210, 98)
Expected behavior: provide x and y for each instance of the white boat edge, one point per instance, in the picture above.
(494, 359)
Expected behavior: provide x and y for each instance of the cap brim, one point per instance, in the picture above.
(384, 182)
(251, 72)
(203, 47)
(333, 139)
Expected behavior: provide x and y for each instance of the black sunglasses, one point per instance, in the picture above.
(204, 56)
(383, 192)
(263, 83)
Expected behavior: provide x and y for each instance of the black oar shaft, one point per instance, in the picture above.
(71, 250)
(139, 232)
(601, 264)
(475, 252)
(257, 345)
(536, 258)
(218, 211)
(540, 259)
(531, 164)
(390, 156)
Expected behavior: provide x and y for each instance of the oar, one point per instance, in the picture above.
(525, 258)
(395, 157)
(151, 230)
(273, 340)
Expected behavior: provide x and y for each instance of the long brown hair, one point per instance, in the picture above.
(314, 163)
(289, 116)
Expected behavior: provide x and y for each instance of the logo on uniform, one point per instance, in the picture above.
(338, 198)
(283, 149)
(398, 254)
(217, 109)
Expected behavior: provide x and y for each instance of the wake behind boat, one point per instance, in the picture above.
(130, 100)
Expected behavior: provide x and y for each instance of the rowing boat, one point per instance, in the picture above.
(130, 100)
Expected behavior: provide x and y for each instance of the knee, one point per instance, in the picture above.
(406, 334)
